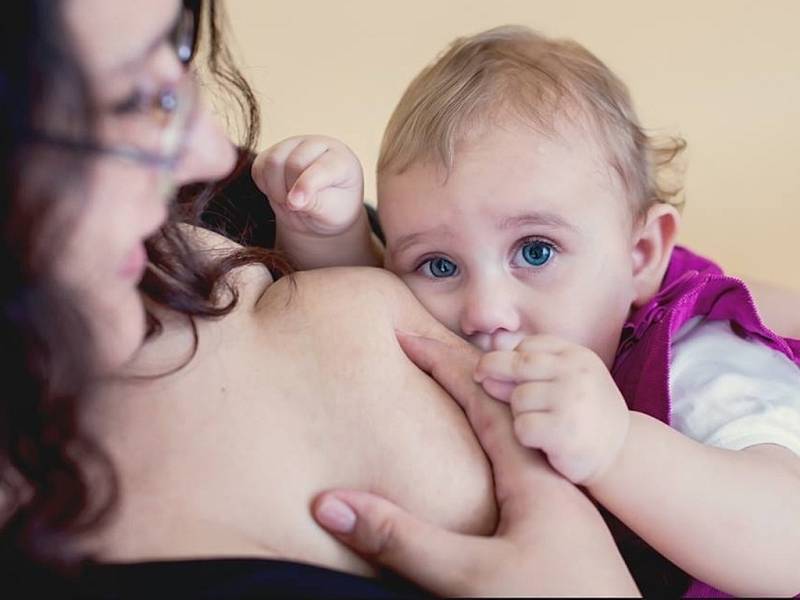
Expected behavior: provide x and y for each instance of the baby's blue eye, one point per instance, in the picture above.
(537, 253)
(440, 267)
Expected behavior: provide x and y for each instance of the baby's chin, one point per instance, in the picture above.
(499, 340)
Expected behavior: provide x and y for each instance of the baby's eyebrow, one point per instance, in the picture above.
(409, 239)
(540, 219)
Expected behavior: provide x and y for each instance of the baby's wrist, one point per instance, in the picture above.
(355, 245)
(616, 449)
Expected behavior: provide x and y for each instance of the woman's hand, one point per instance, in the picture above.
(549, 540)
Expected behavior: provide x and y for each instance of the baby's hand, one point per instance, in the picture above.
(314, 183)
(563, 401)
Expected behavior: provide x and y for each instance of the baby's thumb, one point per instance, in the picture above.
(300, 196)
(434, 558)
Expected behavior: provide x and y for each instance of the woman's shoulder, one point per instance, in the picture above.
(365, 297)
(350, 285)
(257, 290)
(248, 281)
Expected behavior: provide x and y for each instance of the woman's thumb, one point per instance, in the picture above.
(434, 558)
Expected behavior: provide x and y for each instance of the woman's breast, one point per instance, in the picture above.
(307, 391)
(339, 405)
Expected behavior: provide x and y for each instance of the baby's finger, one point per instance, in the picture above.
(536, 429)
(269, 166)
(302, 158)
(531, 396)
(518, 366)
(330, 170)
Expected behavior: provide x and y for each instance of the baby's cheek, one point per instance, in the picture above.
(604, 339)
(442, 307)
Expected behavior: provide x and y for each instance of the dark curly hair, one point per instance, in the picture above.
(46, 461)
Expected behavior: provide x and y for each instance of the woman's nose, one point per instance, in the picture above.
(208, 153)
(489, 306)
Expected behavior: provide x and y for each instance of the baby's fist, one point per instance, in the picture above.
(315, 184)
(564, 402)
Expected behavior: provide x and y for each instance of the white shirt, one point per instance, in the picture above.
(731, 392)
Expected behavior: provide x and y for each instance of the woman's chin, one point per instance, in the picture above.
(120, 336)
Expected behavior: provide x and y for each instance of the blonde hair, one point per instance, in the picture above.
(512, 70)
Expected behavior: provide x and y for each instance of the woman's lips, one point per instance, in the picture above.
(134, 264)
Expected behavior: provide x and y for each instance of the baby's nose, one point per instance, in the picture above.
(488, 310)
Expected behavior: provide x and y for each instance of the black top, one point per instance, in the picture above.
(233, 578)
(221, 578)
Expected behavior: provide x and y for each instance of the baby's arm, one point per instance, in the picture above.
(735, 506)
(729, 518)
(315, 186)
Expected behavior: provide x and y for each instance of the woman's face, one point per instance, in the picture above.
(126, 50)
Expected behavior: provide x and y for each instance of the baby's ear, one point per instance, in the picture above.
(655, 236)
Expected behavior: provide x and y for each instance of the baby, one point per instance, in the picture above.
(524, 206)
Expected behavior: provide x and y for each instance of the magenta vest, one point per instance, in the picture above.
(693, 286)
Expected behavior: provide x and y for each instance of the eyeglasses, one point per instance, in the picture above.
(184, 35)
(153, 126)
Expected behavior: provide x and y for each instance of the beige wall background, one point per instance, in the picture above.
(725, 74)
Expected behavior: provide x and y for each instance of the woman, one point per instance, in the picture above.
(175, 411)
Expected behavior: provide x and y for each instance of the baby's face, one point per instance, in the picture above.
(529, 234)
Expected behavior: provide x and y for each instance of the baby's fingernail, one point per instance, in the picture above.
(336, 515)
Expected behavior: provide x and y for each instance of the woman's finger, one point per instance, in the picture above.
(451, 364)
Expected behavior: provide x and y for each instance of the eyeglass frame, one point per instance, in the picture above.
(184, 38)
